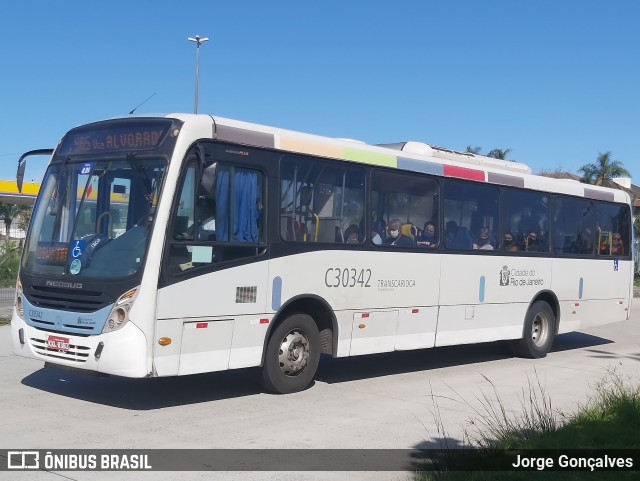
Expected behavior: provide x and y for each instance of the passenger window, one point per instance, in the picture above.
(573, 226)
(218, 223)
(404, 210)
(471, 216)
(321, 201)
(526, 221)
(613, 230)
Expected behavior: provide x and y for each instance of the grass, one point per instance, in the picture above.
(610, 419)
(5, 321)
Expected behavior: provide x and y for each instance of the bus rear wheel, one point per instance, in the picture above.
(292, 355)
(539, 331)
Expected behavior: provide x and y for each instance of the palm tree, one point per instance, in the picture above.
(499, 154)
(474, 150)
(8, 212)
(603, 170)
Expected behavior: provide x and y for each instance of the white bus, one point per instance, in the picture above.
(164, 246)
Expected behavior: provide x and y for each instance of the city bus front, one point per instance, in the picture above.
(78, 301)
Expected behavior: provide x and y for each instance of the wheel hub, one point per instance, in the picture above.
(294, 353)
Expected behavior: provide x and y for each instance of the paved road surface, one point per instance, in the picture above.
(381, 401)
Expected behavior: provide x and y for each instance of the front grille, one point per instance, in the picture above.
(76, 353)
(67, 299)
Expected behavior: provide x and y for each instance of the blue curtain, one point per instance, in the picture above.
(246, 194)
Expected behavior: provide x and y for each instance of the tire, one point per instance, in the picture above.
(538, 333)
(292, 355)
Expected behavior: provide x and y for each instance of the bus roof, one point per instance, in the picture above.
(409, 155)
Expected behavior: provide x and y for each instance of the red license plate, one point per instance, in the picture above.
(58, 343)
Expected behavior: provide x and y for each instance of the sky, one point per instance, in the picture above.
(557, 82)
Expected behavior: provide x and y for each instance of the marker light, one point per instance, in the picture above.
(164, 341)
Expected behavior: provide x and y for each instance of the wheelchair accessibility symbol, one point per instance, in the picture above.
(76, 250)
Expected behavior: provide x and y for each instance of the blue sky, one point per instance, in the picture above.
(556, 81)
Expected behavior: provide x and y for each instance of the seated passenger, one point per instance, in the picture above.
(531, 242)
(509, 243)
(616, 249)
(483, 240)
(352, 234)
(395, 237)
(428, 236)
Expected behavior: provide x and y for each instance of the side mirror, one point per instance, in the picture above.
(22, 163)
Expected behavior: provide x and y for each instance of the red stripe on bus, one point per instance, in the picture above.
(463, 172)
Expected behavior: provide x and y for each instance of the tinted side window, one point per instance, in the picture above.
(321, 201)
(573, 226)
(471, 216)
(526, 221)
(404, 210)
(613, 229)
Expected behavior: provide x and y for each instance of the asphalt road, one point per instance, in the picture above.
(382, 401)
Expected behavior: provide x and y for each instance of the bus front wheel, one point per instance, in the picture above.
(292, 355)
(539, 331)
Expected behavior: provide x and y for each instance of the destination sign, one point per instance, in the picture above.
(114, 138)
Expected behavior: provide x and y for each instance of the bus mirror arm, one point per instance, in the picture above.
(22, 163)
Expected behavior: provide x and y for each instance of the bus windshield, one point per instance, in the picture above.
(92, 218)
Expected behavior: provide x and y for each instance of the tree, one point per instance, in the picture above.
(603, 170)
(8, 212)
(499, 153)
(474, 150)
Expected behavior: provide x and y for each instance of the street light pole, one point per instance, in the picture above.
(199, 41)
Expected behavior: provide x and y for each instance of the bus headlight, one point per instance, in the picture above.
(119, 314)
(18, 303)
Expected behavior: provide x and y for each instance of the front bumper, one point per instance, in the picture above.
(121, 353)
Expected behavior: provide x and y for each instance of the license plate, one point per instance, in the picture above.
(58, 343)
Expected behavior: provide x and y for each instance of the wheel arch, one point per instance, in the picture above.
(550, 298)
(319, 310)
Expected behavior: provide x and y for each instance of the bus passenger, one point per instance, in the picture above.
(509, 243)
(483, 240)
(617, 248)
(531, 242)
(428, 236)
(397, 238)
(352, 234)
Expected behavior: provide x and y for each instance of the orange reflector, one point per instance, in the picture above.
(362, 326)
(264, 321)
(164, 341)
(573, 312)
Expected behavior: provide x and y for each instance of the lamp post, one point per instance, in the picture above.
(199, 41)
